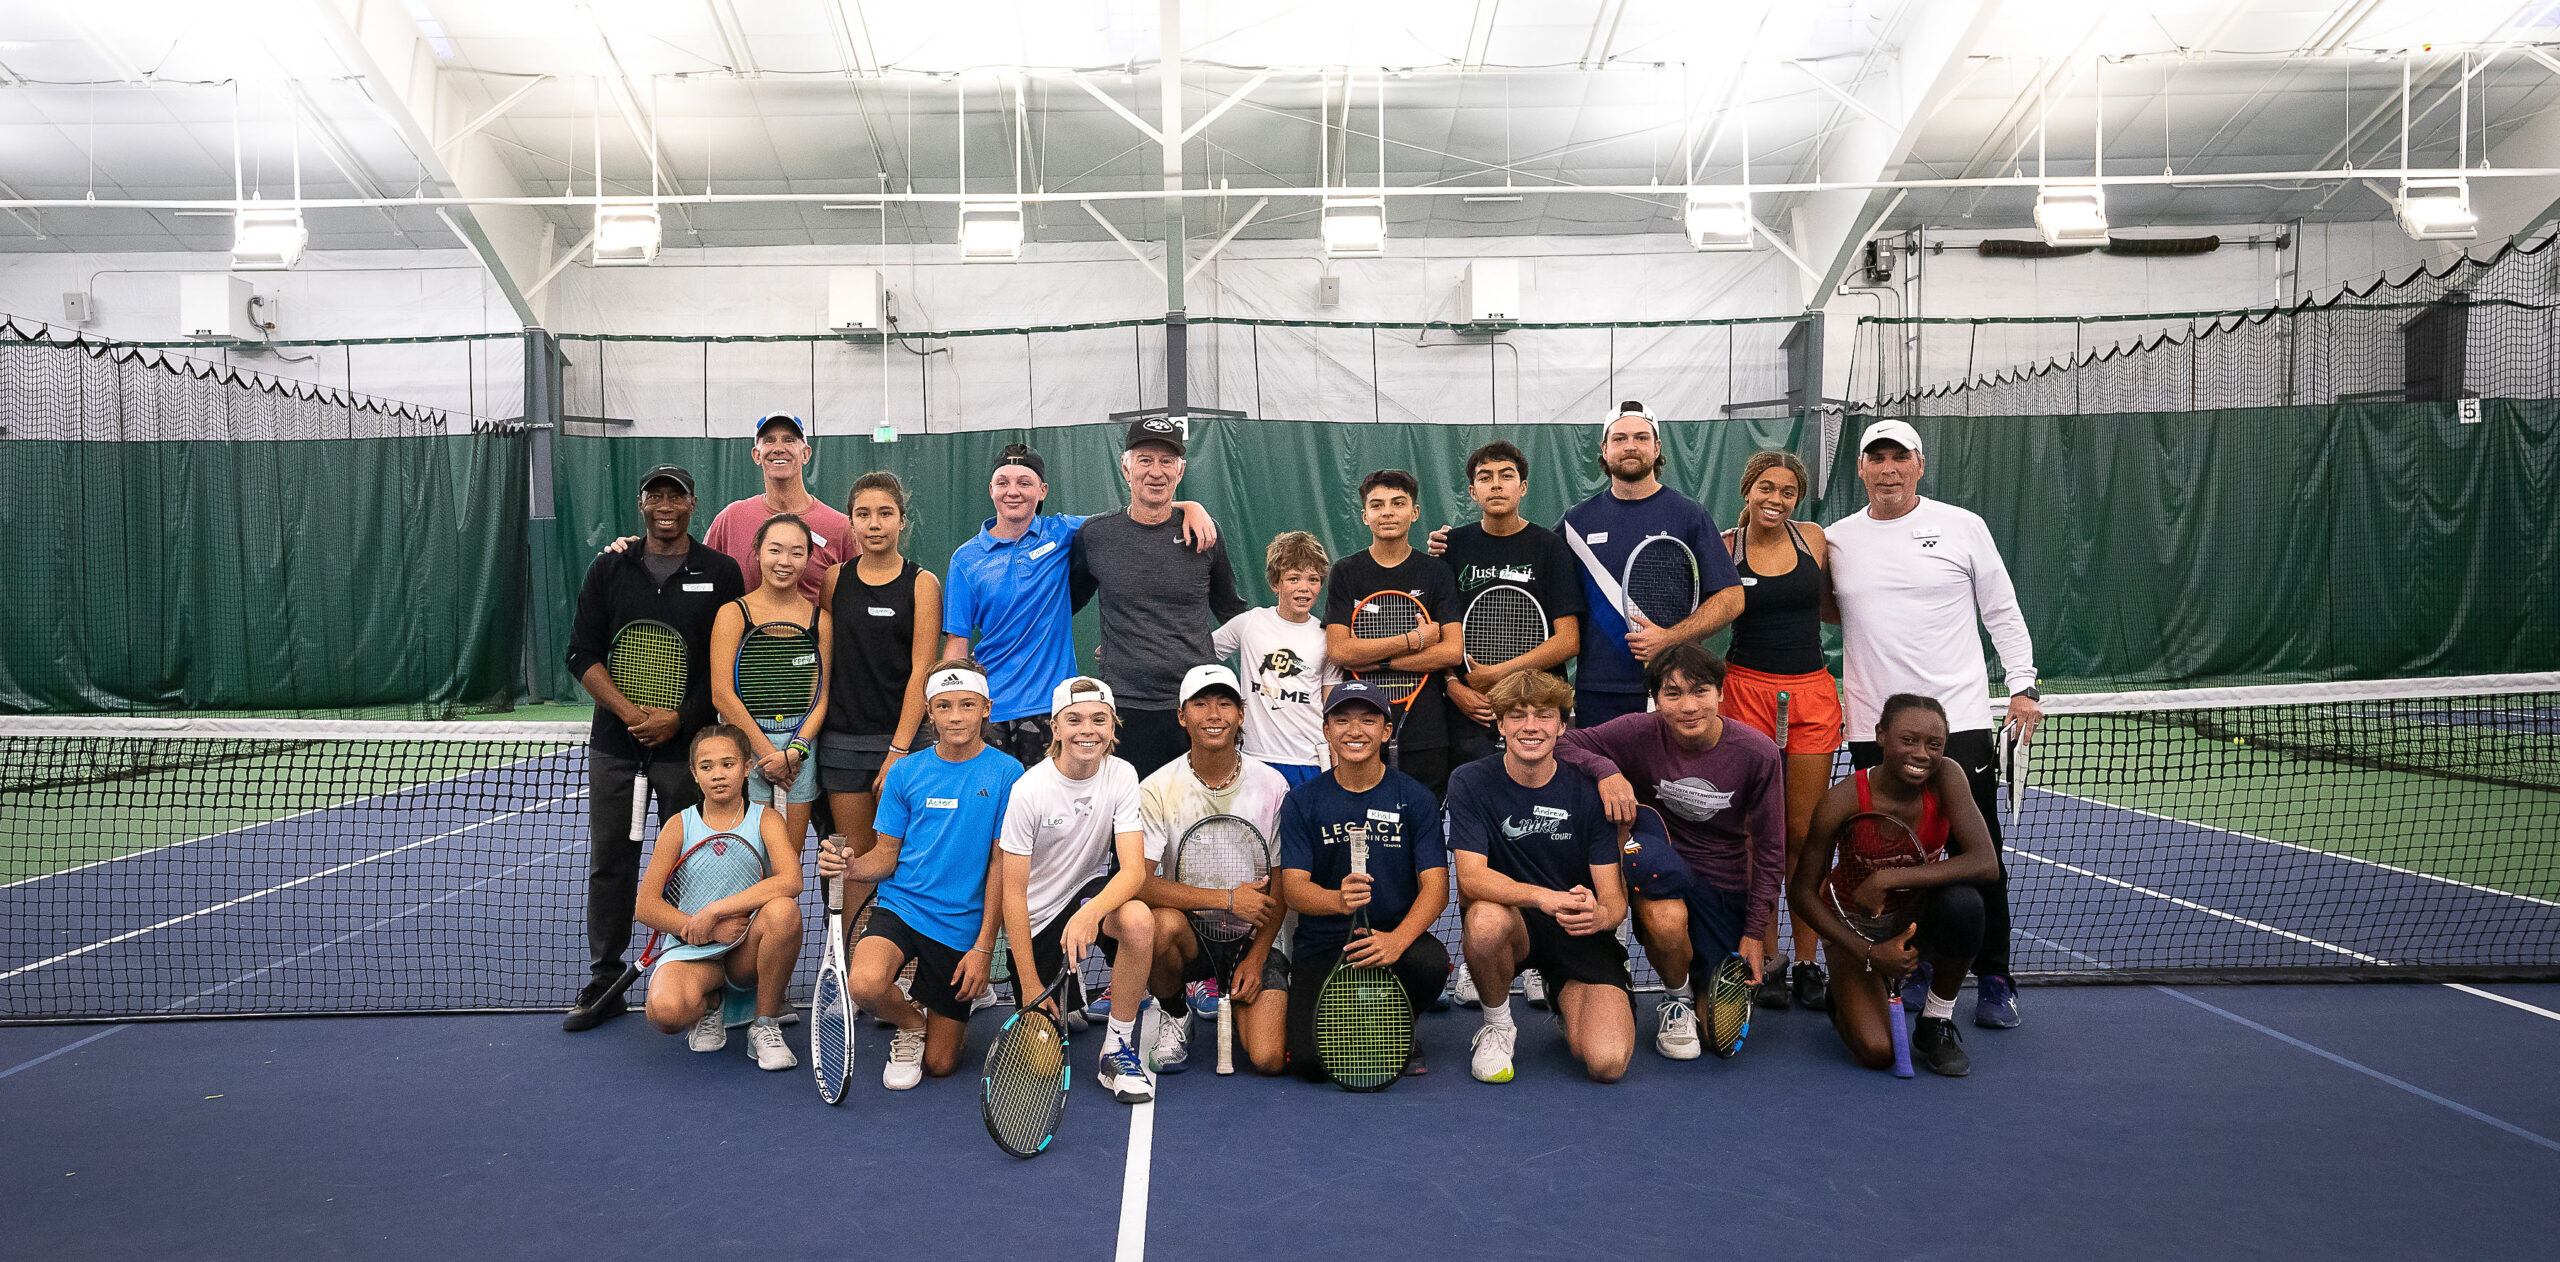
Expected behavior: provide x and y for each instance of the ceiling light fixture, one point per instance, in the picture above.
(2070, 214)
(627, 234)
(1354, 227)
(267, 239)
(990, 231)
(2436, 209)
(1718, 219)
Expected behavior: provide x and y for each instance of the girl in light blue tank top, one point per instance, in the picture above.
(704, 988)
(751, 829)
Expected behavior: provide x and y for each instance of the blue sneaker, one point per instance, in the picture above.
(1125, 1076)
(1915, 988)
(1203, 997)
(1995, 1003)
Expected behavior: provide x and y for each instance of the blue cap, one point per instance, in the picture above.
(771, 419)
(1358, 692)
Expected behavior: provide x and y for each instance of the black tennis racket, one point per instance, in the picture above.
(716, 867)
(1660, 582)
(1870, 841)
(1503, 623)
(1022, 1088)
(1364, 1020)
(1383, 616)
(1729, 1006)
(777, 674)
(1222, 852)
(647, 665)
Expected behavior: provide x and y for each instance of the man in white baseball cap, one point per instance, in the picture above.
(1912, 575)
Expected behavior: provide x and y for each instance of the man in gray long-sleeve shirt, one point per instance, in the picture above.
(1161, 600)
(1723, 801)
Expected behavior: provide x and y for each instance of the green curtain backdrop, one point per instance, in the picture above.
(1258, 477)
(2349, 541)
(319, 574)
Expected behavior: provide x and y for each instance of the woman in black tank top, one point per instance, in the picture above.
(1777, 650)
(887, 612)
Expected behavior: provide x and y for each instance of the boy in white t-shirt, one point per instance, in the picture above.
(1280, 653)
(1069, 815)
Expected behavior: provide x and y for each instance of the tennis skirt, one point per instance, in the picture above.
(1813, 707)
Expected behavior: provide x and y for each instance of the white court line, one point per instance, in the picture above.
(2495, 998)
(62, 1050)
(2294, 845)
(334, 806)
(1142, 1153)
(129, 934)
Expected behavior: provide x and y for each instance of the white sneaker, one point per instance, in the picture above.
(906, 1060)
(986, 999)
(1462, 988)
(1173, 1043)
(1534, 984)
(764, 1039)
(1125, 1076)
(1492, 1061)
(1678, 1037)
(708, 1034)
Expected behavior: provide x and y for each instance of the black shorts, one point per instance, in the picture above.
(1594, 959)
(935, 963)
(1048, 945)
(1275, 966)
(844, 768)
(1026, 738)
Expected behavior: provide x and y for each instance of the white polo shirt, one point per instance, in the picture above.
(1067, 827)
(1909, 591)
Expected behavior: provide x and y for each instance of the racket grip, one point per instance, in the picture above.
(1226, 1034)
(1901, 1037)
(640, 805)
(835, 895)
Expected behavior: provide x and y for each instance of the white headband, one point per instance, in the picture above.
(955, 680)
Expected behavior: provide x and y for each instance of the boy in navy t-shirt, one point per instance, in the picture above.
(1538, 870)
(1408, 880)
(939, 817)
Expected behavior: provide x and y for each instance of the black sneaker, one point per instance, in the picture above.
(1939, 1048)
(593, 1009)
(1772, 991)
(1813, 989)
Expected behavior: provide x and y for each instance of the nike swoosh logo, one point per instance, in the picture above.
(1983, 770)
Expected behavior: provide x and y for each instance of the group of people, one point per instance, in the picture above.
(984, 791)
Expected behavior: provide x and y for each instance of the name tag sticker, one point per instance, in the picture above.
(942, 804)
(1041, 551)
(1924, 532)
(1053, 821)
(697, 587)
(817, 540)
(805, 659)
(1384, 817)
(1550, 812)
(878, 612)
(1596, 539)
(1749, 581)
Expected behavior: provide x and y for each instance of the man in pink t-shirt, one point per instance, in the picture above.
(783, 453)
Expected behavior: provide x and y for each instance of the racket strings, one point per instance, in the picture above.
(715, 870)
(1216, 857)
(1025, 1082)
(1364, 1027)
(647, 664)
(830, 1032)
(1379, 619)
(1662, 587)
(1503, 623)
(777, 672)
(1729, 1006)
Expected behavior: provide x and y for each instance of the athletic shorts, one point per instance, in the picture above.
(1813, 707)
(1596, 959)
(1048, 945)
(1275, 966)
(843, 767)
(935, 962)
(804, 788)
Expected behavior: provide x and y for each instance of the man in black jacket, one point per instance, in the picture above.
(672, 578)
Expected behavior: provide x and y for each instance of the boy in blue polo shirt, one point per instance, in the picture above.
(938, 821)
(1005, 602)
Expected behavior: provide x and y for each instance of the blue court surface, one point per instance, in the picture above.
(2314, 1121)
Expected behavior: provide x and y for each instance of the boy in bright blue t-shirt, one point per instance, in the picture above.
(937, 824)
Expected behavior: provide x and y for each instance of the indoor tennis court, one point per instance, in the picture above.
(2215, 343)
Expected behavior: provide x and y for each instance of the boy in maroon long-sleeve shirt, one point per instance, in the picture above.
(1720, 790)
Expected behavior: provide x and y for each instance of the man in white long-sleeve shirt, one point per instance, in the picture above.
(1911, 575)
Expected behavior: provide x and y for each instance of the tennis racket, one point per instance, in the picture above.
(2013, 767)
(1022, 1088)
(1364, 1020)
(1222, 852)
(1660, 581)
(1729, 1006)
(1383, 616)
(777, 675)
(647, 664)
(831, 1023)
(716, 867)
(1502, 623)
(1869, 841)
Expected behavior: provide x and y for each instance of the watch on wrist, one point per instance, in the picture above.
(2029, 692)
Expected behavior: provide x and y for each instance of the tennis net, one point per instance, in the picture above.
(171, 867)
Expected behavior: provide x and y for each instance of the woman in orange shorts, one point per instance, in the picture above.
(1777, 652)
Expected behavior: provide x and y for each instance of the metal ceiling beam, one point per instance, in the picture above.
(354, 33)
(490, 115)
(1936, 37)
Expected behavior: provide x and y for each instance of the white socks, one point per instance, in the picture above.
(1683, 993)
(1943, 1009)
(1497, 1012)
(1121, 1033)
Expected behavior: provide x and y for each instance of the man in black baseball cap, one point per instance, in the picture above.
(674, 579)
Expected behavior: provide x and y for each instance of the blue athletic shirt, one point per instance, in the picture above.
(945, 816)
(1404, 843)
(1605, 528)
(1009, 596)
(1550, 836)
